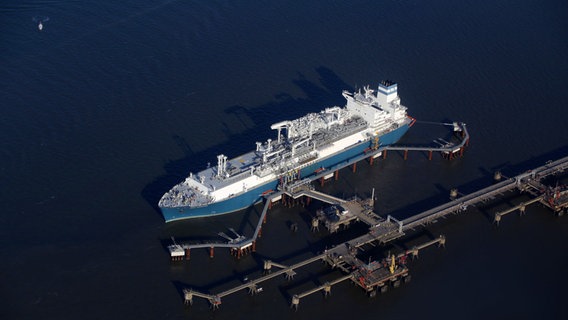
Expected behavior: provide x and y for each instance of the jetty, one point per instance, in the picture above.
(378, 276)
(371, 276)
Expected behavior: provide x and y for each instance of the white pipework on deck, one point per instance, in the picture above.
(279, 126)
(221, 165)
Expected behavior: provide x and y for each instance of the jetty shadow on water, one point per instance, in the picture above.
(326, 93)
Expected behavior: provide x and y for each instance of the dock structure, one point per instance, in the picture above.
(336, 216)
(341, 256)
(378, 276)
(343, 212)
(448, 150)
(555, 198)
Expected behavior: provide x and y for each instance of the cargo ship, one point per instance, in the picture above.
(301, 148)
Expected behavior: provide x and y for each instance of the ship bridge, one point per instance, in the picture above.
(382, 110)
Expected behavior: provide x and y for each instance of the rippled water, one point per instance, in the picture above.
(110, 104)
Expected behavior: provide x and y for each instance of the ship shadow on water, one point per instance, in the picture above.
(320, 95)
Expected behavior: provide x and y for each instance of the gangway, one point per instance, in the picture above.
(324, 197)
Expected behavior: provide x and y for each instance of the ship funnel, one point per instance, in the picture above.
(387, 92)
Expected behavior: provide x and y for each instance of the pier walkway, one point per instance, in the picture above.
(447, 149)
(307, 191)
(528, 181)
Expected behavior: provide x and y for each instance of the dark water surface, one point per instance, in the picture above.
(112, 103)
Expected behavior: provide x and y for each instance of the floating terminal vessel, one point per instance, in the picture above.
(302, 148)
